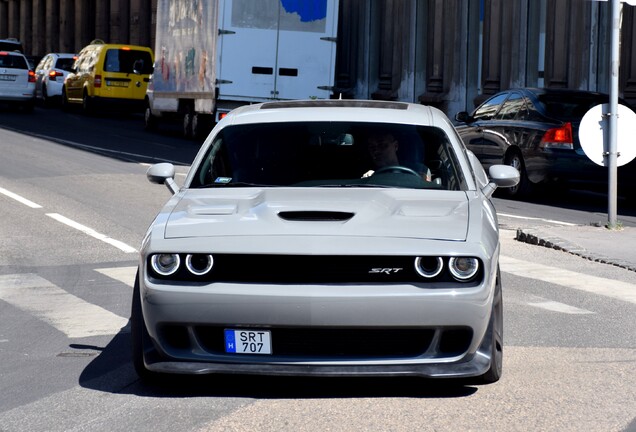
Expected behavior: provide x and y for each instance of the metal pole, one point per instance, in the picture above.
(613, 116)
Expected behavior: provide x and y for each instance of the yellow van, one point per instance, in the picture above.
(109, 74)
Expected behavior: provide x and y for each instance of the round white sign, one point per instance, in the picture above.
(593, 133)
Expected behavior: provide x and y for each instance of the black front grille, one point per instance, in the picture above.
(335, 343)
(307, 269)
(316, 269)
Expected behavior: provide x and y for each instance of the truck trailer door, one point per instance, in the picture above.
(276, 49)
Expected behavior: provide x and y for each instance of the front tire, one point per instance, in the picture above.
(140, 337)
(496, 328)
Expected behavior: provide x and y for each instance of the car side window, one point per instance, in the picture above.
(513, 107)
(81, 63)
(488, 109)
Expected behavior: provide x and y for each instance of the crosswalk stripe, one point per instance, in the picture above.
(66, 312)
(559, 307)
(124, 275)
(606, 287)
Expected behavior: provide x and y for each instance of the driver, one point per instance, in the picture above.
(383, 149)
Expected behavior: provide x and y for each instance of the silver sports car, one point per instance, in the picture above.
(325, 238)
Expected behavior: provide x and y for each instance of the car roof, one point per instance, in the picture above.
(105, 46)
(14, 53)
(338, 110)
(67, 55)
(554, 91)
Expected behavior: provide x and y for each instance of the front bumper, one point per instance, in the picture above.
(454, 322)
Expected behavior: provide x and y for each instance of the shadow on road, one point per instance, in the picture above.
(117, 135)
(112, 372)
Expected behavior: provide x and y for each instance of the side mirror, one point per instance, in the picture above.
(163, 173)
(463, 117)
(504, 175)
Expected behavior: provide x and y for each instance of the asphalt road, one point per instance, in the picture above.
(74, 206)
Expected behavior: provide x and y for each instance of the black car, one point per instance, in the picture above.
(537, 131)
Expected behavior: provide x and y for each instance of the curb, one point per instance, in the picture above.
(536, 237)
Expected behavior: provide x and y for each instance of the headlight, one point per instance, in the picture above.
(199, 264)
(165, 264)
(463, 268)
(429, 267)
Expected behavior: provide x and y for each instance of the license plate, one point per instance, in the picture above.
(7, 77)
(248, 341)
(117, 83)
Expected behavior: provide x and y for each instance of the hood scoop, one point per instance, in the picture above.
(315, 216)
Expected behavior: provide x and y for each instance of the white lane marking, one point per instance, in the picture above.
(125, 275)
(20, 199)
(538, 219)
(606, 287)
(69, 314)
(554, 306)
(91, 232)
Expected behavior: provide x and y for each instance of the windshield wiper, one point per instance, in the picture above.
(354, 185)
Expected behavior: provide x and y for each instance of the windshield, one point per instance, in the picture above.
(330, 154)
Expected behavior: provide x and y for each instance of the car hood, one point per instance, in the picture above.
(403, 213)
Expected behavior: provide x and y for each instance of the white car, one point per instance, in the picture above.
(17, 81)
(50, 74)
(325, 238)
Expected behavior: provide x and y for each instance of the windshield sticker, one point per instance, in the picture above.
(223, 180)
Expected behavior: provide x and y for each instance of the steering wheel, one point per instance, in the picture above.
(396, 168)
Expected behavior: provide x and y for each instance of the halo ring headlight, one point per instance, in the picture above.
(199, 264)
(165, 264)
(429, 267)
(463, 268)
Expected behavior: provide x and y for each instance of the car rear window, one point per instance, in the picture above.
(7, 45)
(569, 107)
(327, 154)
(65, 64)
(13, 61)
(127, 61)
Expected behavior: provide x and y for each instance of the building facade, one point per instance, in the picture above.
(448, 53)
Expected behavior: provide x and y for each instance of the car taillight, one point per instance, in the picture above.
(558, 138)
(98, 81)
(54, 74)
(31, 76)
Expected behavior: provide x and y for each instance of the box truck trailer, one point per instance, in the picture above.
(212, 56)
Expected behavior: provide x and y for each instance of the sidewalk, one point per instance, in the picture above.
(596, 243)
